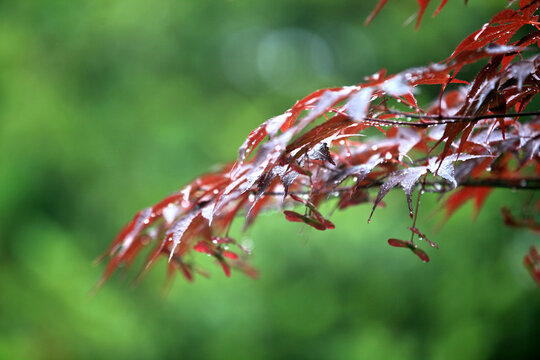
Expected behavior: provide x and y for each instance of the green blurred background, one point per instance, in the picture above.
(108, 106)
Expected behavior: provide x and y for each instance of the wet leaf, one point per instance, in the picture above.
(406, 178)
(480, 133)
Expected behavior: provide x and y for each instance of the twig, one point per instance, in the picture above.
(444, 119)
(434, 186)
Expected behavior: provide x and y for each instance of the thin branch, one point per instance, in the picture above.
(434, 186)
(444, 119)
(515, 184)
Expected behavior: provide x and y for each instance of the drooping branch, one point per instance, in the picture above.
(315, 151)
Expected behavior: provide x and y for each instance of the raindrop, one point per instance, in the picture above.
(248, 245)
(145, 240)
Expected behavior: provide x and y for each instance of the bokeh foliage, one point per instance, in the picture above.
(108, 106)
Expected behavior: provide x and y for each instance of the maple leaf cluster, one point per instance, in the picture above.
(475, 136)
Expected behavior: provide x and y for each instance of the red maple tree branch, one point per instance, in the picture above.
(470, 140)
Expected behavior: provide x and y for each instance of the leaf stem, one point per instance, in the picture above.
(422, 185)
